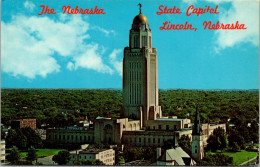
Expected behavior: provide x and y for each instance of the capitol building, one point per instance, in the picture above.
(141, 122)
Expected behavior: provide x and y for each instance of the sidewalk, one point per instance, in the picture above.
(46, 160)
(246, 162)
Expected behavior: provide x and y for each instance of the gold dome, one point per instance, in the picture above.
(140, 19)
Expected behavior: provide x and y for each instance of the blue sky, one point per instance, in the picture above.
(86, 51)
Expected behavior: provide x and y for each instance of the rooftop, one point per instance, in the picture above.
(169, 119)
(92, 151)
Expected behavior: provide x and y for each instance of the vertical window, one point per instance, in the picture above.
(144, 41)
(159, 141)
(150, 42)
(135, 41)
(140, 140)
(153, 140)
(167, 127)
(175, 127)
(160, 127)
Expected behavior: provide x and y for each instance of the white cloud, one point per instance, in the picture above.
(29, 5)
(106, 32)
(113, 60)
(91, 59)
(246, 13)
(23, 55)
(29, 45)
(70, 66)
(189, 1)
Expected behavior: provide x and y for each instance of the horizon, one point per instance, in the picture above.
(122, 90)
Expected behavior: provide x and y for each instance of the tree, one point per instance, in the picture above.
(235, 137)
(62, 158)
(33, 139)
(168, 144)
(138, 153)
(16, 138)
(3, 135)
(117, 152)
(253, 132)
(216, 160)
(218, 140)
(213, 143)
(235, 147)
(184, 141)
(31, 155)
(23, 138)
(14, 156)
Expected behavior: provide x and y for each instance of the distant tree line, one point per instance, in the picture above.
(61, 107)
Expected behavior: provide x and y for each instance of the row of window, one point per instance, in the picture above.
(72, 137)
(160, 127)
(146, 140)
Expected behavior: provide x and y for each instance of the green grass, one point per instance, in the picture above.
(239, 157)
(122, 160)
(43, 152)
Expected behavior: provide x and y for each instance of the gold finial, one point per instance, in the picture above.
(140, 8)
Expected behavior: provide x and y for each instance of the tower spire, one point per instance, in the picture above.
(140, 8)
(197, 126)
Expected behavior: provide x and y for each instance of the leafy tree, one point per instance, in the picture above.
(31, 155)
(235, 147)
(23, 138)
(216, 160)
(184, 141)
(14, 156)
(33, 139)
(117, 155)
(3, 135)
(138, 153)
(236, 137)
(254, 132)
(218, 140)
(213, 143)
(16, 138)
(62, 158)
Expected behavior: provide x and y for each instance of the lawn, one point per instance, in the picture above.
(43, 152)
(240, 157)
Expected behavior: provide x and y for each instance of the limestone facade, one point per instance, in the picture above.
(22, 123)
(2, 151)
(107, 156)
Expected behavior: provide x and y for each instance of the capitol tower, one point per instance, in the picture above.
(140, 74)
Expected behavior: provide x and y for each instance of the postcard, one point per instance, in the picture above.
(126, 82)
